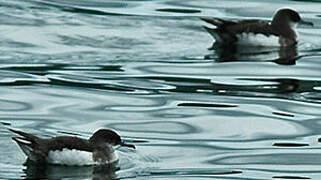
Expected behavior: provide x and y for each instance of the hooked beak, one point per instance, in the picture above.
(307, 23)
(128, 145)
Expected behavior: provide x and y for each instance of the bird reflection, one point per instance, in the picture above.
(98, 172)
(281, 55)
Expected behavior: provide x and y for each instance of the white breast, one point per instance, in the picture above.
(75, 157)
(251, 39)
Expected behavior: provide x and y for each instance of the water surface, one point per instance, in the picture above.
(144, 69)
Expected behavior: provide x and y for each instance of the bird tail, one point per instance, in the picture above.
(214, 21)
(25, 136)
(215, 33)
(26, 142)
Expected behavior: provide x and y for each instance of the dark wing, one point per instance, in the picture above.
(251, 26)
(226, 30)
(220, 33)
(219, 23)
(69, 142)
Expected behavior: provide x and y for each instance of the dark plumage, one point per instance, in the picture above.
(282, 26)
(100, 144)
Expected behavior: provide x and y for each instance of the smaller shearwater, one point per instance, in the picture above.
(71, 150)
(280, 32)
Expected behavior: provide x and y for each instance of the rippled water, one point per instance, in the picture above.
(144, 69)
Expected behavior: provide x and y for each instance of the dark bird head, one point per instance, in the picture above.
(103, 136)
(288, 17)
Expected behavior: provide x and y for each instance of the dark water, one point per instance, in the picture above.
(143, 69)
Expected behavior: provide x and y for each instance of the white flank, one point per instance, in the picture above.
(74, 157)
(70, 157)
(250, 39)
(293, 27)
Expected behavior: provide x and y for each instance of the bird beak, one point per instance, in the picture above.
(307, 23)
(128, 145)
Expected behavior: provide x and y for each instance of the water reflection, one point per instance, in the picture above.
(138, 66)
(290, 177)
(290, 144)
(101, 172)
(283, 55)
(270, 86)
(196, 171)
(298, 157)
(158, 127)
